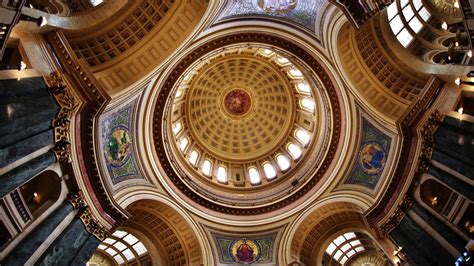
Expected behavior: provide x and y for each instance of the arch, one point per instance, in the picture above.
(41, 192)
(319, 224)
(435, 195)
(176, 240)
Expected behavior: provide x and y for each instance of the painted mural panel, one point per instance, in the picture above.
(302, 12)
(371, 158)
(246, 249)
(117, 145)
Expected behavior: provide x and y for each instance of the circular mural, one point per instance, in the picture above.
(277, 6)
(372, 158)
(118, 146)
(237, 102)
(245, 251)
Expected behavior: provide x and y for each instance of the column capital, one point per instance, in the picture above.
(92, 225)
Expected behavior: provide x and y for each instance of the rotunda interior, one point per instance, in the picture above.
(236, 132)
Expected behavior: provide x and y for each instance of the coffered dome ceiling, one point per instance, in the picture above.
(244, 127)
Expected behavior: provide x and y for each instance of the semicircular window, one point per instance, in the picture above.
(122, 247)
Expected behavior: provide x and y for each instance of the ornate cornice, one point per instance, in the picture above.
(61, 124)
(427, 133)
(196, 54)
(93, 100)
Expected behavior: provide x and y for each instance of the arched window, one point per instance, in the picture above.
(344, 247)
(307, 104)
(408, 14)
(295, 73)
(177, 128)
(269, 171)
(183, 143)
(96, 2)
(303, 87)
(302, 136)
(41, 192)
(254, 176)
(206, 167)
(283, 162)
(222, 174)
(193, 157)
(294, 151)
(123, 246)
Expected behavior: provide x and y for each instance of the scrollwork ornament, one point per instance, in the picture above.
(92, 225)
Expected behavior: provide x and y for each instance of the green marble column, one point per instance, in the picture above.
(445, 231)
(23, 251)
(419, 246)
(25, 172)
(74, 246)
(26, 113)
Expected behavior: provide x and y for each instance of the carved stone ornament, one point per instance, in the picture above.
(61, 123)
(427, 147)
(76, 200)
(397, 217)
(92, 225)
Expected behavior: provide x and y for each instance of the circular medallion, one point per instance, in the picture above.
(118, 146)
(372, 158)
(237, 102)
(245, 251)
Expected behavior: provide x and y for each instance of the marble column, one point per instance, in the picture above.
(441, 228)
(26, 113)
(25, 147)
(454, 145)
(418, 245)
(74, 246)
(23, 251)
(25, 172)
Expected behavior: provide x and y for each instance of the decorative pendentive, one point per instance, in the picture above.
(371, 158)
(61, 123)
(258, 249)
(302, 12)
(117, 145)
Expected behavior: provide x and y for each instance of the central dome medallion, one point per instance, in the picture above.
(244, 126)
(237, 102)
